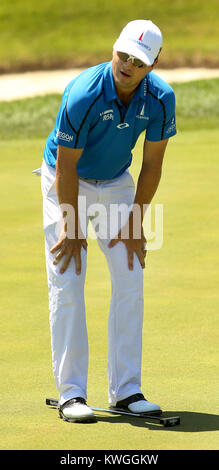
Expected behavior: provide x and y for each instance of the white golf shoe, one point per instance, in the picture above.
(76, 411)
(137, 404)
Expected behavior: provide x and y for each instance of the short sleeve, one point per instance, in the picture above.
(163, 123)
(72, 124)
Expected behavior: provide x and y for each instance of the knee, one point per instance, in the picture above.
(121, 275)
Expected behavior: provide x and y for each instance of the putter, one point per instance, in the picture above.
(165, 421)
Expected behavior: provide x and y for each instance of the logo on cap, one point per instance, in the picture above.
(140, 39)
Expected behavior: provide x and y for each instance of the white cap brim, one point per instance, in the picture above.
(132, 49)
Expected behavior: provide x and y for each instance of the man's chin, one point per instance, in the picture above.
(124, 80)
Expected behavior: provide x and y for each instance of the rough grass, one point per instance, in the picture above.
(197, 107)
(48, 34)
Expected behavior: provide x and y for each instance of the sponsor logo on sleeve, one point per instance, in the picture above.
(172, 126)
(63, 136)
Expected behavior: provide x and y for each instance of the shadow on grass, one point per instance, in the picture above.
(189, 421)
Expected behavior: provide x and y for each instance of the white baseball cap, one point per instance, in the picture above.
(142, 39)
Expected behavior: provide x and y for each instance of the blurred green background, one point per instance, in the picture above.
(38, 34)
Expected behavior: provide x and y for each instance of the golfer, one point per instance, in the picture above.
(86, 167)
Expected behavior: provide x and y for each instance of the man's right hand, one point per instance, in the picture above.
(69, 248)
(67, 192)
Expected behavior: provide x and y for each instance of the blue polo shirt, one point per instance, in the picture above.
(91, 117)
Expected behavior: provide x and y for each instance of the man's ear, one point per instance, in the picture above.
(113, 53)
(156, 60)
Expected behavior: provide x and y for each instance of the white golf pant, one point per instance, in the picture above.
(69, 338)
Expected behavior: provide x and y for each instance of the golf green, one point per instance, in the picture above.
(180, 359)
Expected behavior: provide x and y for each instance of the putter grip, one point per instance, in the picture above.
(51, 402)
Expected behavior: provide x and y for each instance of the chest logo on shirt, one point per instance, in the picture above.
(122, 125)
(141, 114)
(108, 114)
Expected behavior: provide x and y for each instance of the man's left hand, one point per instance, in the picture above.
(133, 245)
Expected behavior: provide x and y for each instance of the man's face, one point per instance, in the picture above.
(126, 75)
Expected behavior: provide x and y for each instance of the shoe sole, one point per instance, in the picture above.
(82, 419)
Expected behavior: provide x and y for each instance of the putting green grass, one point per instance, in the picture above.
(180, 359)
